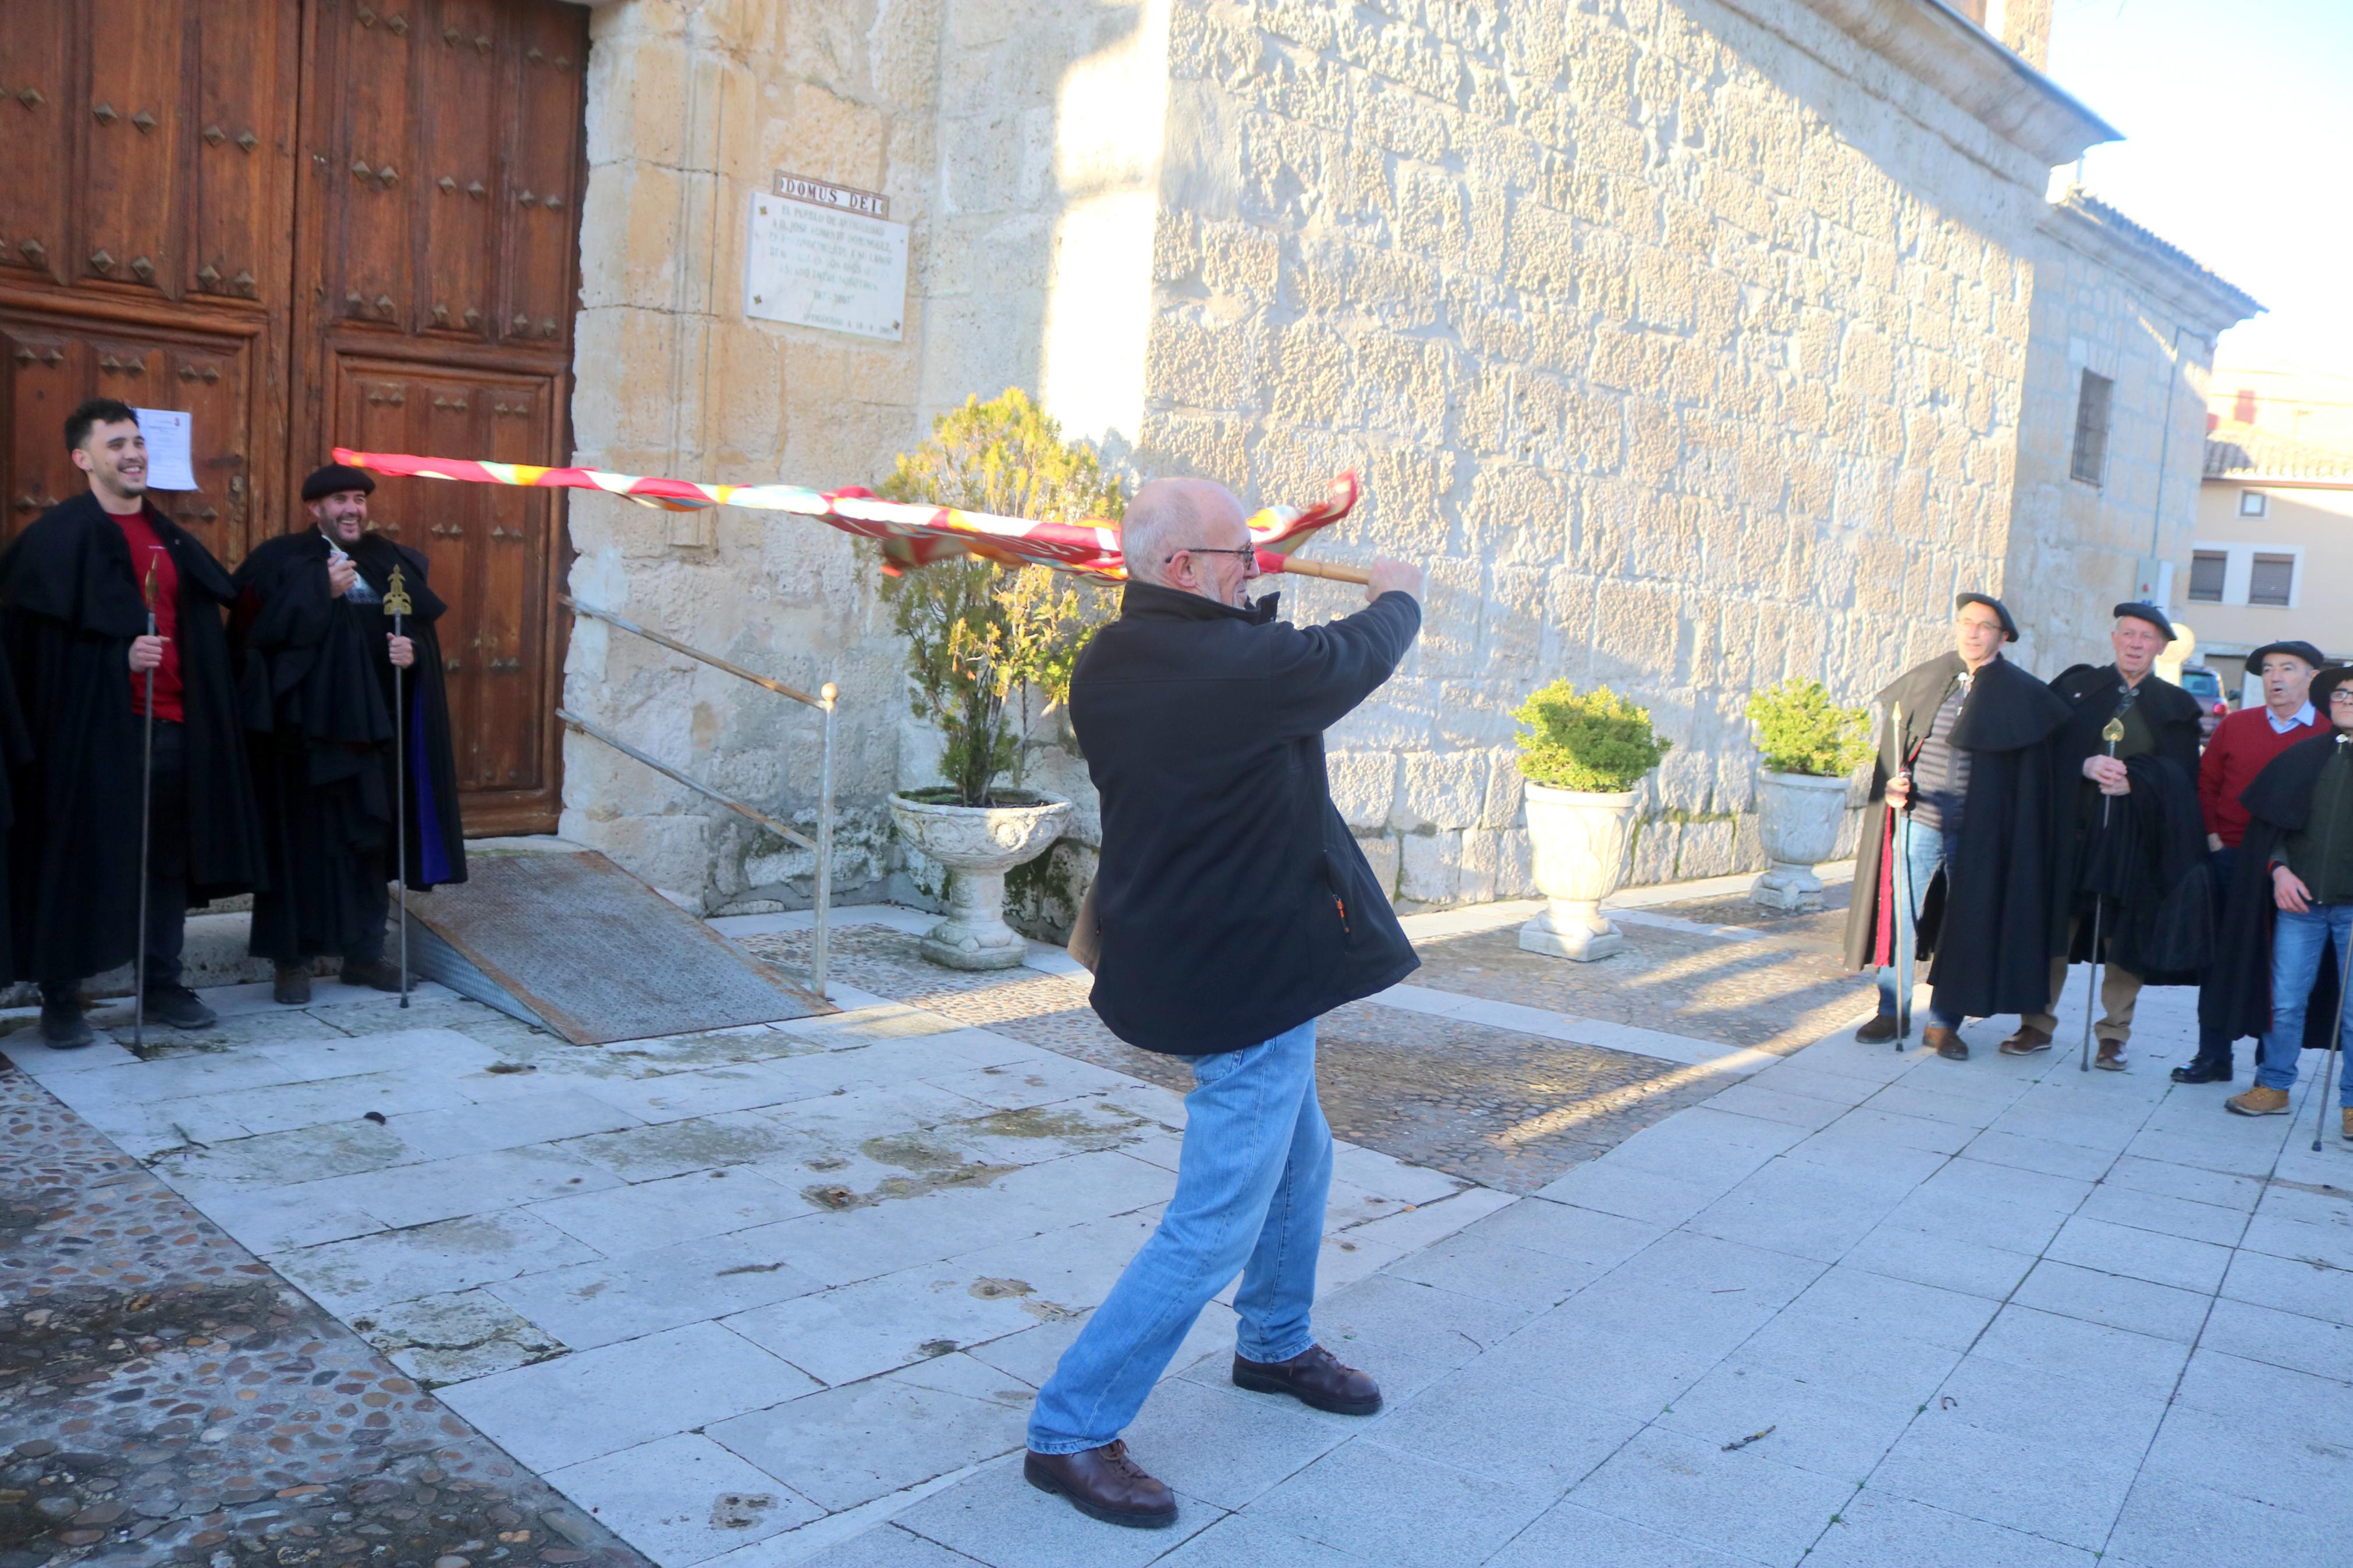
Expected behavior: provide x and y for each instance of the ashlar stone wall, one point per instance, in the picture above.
(1686, 345)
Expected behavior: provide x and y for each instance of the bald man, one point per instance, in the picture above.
(1233, 909)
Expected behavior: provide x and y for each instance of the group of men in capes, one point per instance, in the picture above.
(2019, 826)
(249, 716)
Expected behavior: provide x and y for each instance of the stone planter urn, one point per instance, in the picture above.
(1798, 816)
(978, 844)
(1581, 843)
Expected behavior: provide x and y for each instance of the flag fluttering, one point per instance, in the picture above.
(911, 535)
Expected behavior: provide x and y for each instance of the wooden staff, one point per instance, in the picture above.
(1900, 924)
(2112, 732)
(1271, 561)
(397, 604)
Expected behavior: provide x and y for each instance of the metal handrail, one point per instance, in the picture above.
(827, 696)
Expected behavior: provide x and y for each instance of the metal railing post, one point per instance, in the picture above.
(824, 898)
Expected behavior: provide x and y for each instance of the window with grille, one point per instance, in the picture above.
(2273, 581)
(2253, 504)
(2206, 570)
(2091, 458)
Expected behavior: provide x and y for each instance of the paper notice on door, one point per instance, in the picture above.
(171, 440)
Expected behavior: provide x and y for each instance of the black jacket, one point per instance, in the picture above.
(2146, 861)
(2236, 997)
(69, 607)
(1984, 922)
(1232, 903)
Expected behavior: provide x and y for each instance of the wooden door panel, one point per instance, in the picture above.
(131, 192)
(465, 98)
(544, 200)
(56, 362)
(240, 139)
(367, 181)
(34, 96)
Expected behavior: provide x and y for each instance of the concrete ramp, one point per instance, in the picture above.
(573, 943)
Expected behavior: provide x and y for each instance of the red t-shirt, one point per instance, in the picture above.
(145, 547)
(2244, 744)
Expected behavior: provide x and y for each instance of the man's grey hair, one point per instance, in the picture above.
(1168, 515)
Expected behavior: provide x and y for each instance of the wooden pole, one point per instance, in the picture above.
(1267, 560)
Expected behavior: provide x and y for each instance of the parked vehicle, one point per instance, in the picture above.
(2207, 687)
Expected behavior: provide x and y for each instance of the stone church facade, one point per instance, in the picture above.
(1689, 346)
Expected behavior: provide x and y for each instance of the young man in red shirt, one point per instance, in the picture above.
(73, 609)
(2244, 744)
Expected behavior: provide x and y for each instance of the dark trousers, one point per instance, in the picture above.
(377, 901)
(2213, 1045)
(168, 868)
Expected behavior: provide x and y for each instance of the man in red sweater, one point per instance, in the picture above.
(2243, 745)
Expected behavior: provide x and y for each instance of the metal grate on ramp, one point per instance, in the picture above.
(572, 942)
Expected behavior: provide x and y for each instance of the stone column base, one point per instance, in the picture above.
(1576, 931)
(1792, 889)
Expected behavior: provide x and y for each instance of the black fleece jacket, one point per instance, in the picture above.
(1232, 903)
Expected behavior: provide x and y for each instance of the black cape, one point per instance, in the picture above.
(1983, 924)
(323, 757)
(2147, 864)
(69, 610)
(2236, 998)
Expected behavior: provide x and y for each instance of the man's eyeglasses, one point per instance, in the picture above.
(1245, 553)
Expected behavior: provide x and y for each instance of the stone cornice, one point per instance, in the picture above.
(1934, 44)
(2207, 303)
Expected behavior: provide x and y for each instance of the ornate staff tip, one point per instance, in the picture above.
(395, 594)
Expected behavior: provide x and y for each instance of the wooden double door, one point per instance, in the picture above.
(313, 223)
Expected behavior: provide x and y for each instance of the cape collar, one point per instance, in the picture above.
(1152, 600)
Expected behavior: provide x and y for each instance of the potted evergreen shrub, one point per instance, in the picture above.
(986, 641)
(1809, 748)
(1581, 755)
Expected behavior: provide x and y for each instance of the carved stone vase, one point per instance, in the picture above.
(1798, 816)
(978, 845)
(1580, 843)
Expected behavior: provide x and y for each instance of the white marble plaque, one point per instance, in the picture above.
(824, 266)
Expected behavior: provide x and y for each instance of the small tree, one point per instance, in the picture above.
(981, 636)
(1798, 730)
(1596, 741)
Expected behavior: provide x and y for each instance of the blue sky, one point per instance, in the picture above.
(2237, 119)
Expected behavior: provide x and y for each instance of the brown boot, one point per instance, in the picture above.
(1314, 1377)
(2026, 1042)
(380, 975)
(2111, 1058)
(291, 985)
(1945, 1043)
(1879, 1031)
(2345, 1123)
(1105, 1484)
(2259, 1101)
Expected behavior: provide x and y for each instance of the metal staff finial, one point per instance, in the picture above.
(2112, 732)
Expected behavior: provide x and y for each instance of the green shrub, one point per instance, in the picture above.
(1594, 742)
(1800, 731)
(981, 636)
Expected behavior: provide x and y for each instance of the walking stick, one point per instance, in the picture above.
(146, 831)
(396, 601)
(1901, 934)
(2331, 1065)
(2112, 732)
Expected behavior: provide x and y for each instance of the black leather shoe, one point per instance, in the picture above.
(290, 987)
(63, 1029)
(180, 1007)
(1879, 1031)
(1105, 1484)
(1316, 1377)
(379, 975)
(2204, 1069)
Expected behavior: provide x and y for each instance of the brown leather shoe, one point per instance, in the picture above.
(1879, 1031)
(1314, 1377)
(1105, 1484)
(291, 986)
(1945, 1043)
(2111, 1058)
(379, 975)
(2026, 1042)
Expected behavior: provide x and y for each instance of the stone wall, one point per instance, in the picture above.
(1685, 344)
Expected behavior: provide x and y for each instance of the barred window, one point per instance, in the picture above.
(2091, 458)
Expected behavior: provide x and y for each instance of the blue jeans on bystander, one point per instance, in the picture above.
(1930, 850)
(1251, 1185)
(2299, 943)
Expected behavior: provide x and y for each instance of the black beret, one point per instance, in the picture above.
(2009, 627)
(337, 477)
(2150, 614)
(2327, 681)
(2302, 650)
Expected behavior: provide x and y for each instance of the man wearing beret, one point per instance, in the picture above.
(77, 590)
(2243, 745)
(2127, 836)
(1962, 792)
(312, 615)
(2291, 917)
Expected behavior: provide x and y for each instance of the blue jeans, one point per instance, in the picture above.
(2298, 942)
(1250, 1183)
(1930, 850)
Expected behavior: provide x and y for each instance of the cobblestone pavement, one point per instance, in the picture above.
(1493, 1105)
(165, 1398)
